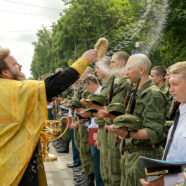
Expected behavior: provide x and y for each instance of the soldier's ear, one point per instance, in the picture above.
(123, 63)
(161, 77)
(141, 70)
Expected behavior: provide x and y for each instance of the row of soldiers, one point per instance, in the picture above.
(133, 105)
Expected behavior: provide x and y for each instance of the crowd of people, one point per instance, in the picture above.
(116, 117)
(143, 130)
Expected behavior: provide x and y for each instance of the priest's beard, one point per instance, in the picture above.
(17, 75)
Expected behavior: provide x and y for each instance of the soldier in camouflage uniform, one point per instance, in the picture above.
(158, 74)
(81, 140)
(150, 113)
(102, 135)
(159, 77)
(63, 146)
(120, 88)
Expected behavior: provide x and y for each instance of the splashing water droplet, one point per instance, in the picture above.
(155, 15)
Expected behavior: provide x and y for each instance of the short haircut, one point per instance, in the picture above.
(91, 78)
(179, 68)
(3, 54)
(88, 70)
(160, 70)
(141, 60)
(122, 56)
(58, 70)
(106, 60)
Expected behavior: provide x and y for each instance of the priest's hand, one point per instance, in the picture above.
(91, 55)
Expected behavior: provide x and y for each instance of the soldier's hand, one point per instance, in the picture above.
(95, 135)
(75, 125)
(57, 98)
(81, 110)
(85, 102)
(97, 145)
(63, 102)
(86, 114)
(91, 55)
(120, 132)
(103, 114)
(158, 182)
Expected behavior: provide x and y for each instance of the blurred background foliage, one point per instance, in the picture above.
(84, 21)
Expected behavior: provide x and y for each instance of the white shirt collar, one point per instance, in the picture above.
(182, 109)
(98, 90)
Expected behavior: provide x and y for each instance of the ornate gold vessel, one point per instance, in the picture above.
(51, 132)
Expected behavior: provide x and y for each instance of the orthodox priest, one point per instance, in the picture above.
(23, 111)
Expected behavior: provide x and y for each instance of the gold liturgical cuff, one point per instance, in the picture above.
(80, 65)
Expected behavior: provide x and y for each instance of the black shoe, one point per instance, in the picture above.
(71, 165)
(77, 172)
(81, 183)
(81, 180)
(89, 181)
(64, 148)
(58, 143)
(77, 168)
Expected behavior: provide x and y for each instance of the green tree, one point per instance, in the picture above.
(173, 48)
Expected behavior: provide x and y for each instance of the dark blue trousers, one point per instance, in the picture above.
(50, 116)
(96, 162)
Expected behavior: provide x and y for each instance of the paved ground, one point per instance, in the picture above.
(57, 172)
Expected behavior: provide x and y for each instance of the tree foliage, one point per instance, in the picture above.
(173, 47)
(85, 21)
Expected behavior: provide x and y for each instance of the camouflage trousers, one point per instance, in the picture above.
(114, 157)
(102, 141)
(77, 138)
(66, 136)
(132, 169)
(84, 150)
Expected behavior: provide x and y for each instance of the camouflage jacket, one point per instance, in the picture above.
(120, 90)
(150, 108)
(104, 92)
(68, 93)
(164, 89)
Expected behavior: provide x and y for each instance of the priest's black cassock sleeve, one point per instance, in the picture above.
(59, 82)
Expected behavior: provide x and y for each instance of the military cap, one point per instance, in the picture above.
(116, 109)
(76, 103)
(126, 120)
(81, 118)
(63, 107)
(97, 99)
(91, 110)
(154, 167)
(99, 121)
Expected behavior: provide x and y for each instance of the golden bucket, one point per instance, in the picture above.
(51, 132)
